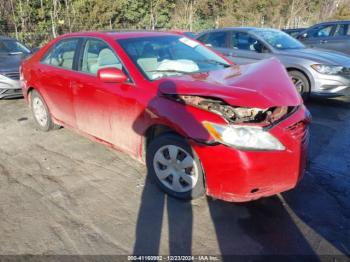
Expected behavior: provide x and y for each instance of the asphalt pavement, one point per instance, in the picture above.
(61, 193)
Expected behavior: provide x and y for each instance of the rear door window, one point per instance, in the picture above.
(342, 30)
(62, 54)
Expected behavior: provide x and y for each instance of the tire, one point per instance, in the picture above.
(301, 83)
(162, 167)
(41, 113)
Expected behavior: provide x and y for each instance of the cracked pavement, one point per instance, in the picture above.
(61, 193)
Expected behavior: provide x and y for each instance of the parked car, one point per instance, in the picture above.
(315, 72)
(12, 53)
(329, 35)
(201, 123)
(293, 31)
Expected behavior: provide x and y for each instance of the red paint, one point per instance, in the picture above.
(118, 113)
(111, 75)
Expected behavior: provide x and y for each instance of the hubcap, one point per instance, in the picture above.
(39, 111)
(175, 168)
(298, 83)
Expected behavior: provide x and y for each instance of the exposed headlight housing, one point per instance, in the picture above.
(243, 137)
(327, 69)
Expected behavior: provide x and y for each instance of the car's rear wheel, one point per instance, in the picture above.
(301, 83)
(41, 112)
(175, 167)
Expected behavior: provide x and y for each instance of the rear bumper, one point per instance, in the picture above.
(238, 176)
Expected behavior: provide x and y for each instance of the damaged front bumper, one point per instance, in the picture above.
(248, 175)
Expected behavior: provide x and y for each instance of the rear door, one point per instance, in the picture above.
(245, 48)
(56, 70)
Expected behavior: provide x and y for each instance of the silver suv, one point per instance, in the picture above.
(12, 53)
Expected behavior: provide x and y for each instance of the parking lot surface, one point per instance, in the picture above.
(61, 193)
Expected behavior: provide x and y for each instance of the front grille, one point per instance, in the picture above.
(12, 75)
(299, 131)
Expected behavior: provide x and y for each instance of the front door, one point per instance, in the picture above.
(319, 37)
(106, 111)
(245, 48)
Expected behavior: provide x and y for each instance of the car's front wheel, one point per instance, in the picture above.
(175, 167)
(41, 112)
(301, 83)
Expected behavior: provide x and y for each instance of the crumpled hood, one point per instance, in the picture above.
(11, 63)
(328, 57)
(264, 84)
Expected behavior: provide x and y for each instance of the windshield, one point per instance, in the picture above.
(162, 56)
(279, 39)
(10, 46)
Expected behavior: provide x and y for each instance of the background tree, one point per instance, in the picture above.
(38, 21)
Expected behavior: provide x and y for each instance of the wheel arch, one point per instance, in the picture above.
(153, 131)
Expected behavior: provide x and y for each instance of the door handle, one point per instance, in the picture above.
(324, 41)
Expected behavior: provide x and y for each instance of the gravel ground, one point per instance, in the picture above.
(61, 193)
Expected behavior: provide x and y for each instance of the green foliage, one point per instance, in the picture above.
(38, 21)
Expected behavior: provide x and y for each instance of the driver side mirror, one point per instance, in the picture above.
(111, 75)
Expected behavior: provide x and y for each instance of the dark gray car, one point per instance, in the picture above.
(329, 35)
(12, 53)
(313, 71)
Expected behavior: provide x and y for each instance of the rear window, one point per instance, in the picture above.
(62, 54)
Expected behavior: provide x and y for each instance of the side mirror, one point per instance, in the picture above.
(111, 75)
(303, 36)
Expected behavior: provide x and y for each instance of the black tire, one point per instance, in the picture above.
(49, 125)
(172, 139)
(304, 87)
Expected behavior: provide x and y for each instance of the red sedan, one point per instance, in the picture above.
(201, 123)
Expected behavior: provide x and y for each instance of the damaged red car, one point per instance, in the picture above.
(199, 122)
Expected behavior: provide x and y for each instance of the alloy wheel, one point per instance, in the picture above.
(299, 84)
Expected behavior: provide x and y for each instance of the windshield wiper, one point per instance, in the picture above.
(212, 61)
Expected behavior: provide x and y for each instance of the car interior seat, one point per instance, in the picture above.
(148, 60)
(106, 58)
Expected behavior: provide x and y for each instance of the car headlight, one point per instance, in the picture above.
(243, 137)
(327, 69)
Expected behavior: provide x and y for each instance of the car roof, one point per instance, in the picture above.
(333, 22)
(229, 28)
(240, 29)
(120, 34)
